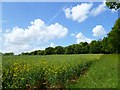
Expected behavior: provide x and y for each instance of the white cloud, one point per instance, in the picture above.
(52, 45)
(98, 31)
(67, 12)
(79, 12)
(81, 38)
(82, 11)
(72, 34)
(37, 48)
(19, 39)
(113, 10)
(7, 30)
(101, 8)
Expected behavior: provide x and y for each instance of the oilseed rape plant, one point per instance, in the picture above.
(43, 71)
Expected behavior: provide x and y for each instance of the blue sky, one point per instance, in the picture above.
(57, 24)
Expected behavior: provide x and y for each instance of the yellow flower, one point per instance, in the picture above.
(14, 75)
(22, 78)
(55, 72)
(44, 62)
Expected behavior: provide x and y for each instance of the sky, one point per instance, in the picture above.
(28, 26)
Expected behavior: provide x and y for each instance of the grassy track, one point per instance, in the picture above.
(103, 74)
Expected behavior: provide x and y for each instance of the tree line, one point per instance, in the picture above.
(94, 47)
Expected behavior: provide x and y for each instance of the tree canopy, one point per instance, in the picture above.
(114, 37)
(113, 4)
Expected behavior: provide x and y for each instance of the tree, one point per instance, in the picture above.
(36, 52)
(83, 43)
(40, 52)
(31, 53)
(106, 47)
(59, 50)
(114, 37)
(77, 49)
(49, 50)
(84, 47)
(9, 53)
(25, 53)
(95, 47)
(113, 4)
(70, 49)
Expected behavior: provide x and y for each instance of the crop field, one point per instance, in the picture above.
(59, 71)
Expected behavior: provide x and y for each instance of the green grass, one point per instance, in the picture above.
(0, 72)
(103, 74)
(56, 71)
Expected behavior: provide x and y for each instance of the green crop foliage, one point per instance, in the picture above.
(50, 71)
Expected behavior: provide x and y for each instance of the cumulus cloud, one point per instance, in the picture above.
(7, 30)
(79, 12)
(19, 39)
(36, 48)
(101, 8)
(52, 45)
(81, 38)
(99, 31)
(82, 11)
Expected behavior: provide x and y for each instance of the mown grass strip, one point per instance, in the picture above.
(103, 74)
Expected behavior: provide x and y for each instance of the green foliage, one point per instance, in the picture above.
(57, 71)
(41, 52)
(95, 47)
(114, 37)
(84, 47)
(10, 53)
(59, 50)
(77, 49)
(43, 71)
(49, 50)
(35, 52)
(69, 49)
(102, 74)
(113, 4)
(106, 47)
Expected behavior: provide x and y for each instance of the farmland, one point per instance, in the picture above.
(59, 71)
